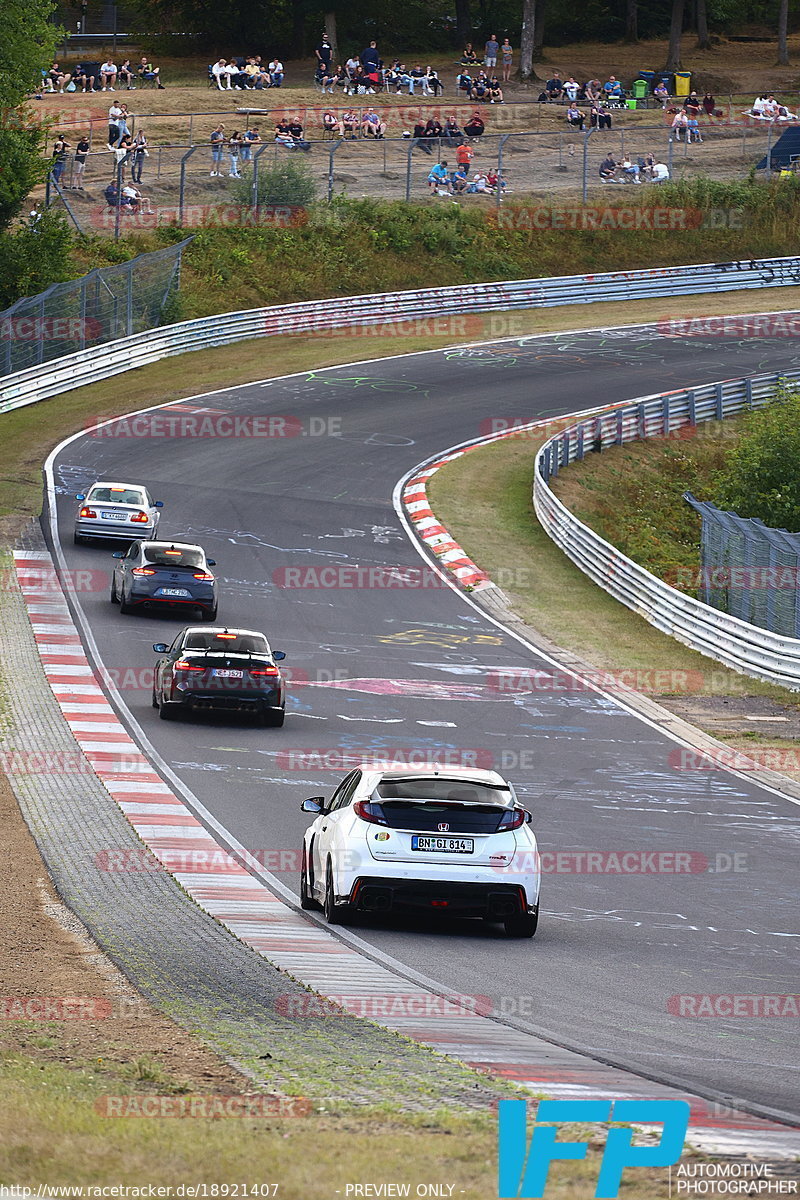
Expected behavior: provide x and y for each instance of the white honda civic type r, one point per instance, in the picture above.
(447, 840)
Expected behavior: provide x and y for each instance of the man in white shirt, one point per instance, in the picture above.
(220, 73)
(659, 173)
(276, 72)
(108, 75)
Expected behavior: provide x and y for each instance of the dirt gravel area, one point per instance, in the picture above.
(46, 956)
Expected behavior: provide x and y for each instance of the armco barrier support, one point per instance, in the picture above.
(113, 358)
(743, 647)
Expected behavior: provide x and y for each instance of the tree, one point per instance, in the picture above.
(673, 62)
(783, 41)
(27, 45)
(631, 21)
(527, 41)
(703, 40)
(463, 21)
(761, 477)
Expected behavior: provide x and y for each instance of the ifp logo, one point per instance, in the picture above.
(523, 1169)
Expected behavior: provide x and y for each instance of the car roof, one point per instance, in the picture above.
(174, 545)
(226, 629)
(110, 483)
(443, 771)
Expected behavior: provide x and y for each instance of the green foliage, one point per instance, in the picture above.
(33, 257)
(761, 476)
(27, 44)
(289, 183)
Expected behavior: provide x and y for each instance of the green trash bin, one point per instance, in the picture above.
(640, 89)
(631, 103)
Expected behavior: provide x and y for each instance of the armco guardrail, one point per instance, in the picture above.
(739, 645)
(90, 366)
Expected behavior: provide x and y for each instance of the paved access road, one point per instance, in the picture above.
(410, 670)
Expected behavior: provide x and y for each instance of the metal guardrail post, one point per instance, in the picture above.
(129, 301)
(182, 194)
(500, 145)
(586, 137)
(408, 170)
(254, 184)
(331, 153)
(118, 209)
(669, 155)
(769, 150)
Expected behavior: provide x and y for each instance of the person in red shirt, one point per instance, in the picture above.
(464, 155)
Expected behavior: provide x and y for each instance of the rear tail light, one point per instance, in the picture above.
(512, 820)
(263, 670)
(369, 812)
(142, 571)
(204, 575)
(225, 637)
(88, 512)
(183, 665)
(140, 518)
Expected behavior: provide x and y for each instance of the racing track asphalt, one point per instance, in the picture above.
(611, 950)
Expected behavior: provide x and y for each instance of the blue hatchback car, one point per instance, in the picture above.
(155, 574)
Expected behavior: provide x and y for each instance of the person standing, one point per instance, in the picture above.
(122, 121)
(507, 55)
(251, 137)
(234, 146)
(140, 153)
(490, 52)
(217, 145)
(81, 150)
(59, 159)
(324, 54)
(114, 134)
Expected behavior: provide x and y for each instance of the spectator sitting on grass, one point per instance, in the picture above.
(452, 132)
(495, 180)
(660, 173)
(464, 82)
(692, 105)
(598, 118)
(459, 180)
(438, 175)
(372, 125)
(475, 126)
(222, 74)
(479, 183)
(575, 117)
(469, 58)
(608, 169)
(480, 88)
(433, 129)
(571, 89)
(630, 170)
(554, 87)
(593, 90)
(495, 91)
(282, 135)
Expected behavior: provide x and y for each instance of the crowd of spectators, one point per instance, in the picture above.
(101, 77)
(246, 74)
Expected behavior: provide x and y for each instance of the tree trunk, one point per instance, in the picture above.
(632, 21)
(540, 16)
(783, 42)
(675, 30)
(463, 23)
(298, 29)
(330, 29)
(527, 40)
(703, 40)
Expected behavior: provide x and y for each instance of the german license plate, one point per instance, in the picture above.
(113, 516)
(443, 845)
(221, 674)
(182, 592)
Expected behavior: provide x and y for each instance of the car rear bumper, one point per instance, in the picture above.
(494, 901)
(108, 529)
(227, 700)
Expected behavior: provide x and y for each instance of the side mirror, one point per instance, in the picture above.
(161, 647)
(279, 655)
(212, 562)
(81, 496)
(118, 554)
(315, 805)
(159, 504)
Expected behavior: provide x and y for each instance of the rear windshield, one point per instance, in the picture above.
(238, 643)
(432, 817)
(442, 789)
(173, 556)
(108, 495)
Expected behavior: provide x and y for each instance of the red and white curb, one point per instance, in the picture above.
(434, 535)
(302, 947)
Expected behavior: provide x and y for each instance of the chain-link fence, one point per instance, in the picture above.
(182, 183)
(108, 303)
(749, 570)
